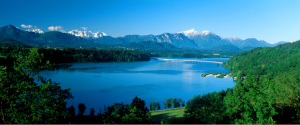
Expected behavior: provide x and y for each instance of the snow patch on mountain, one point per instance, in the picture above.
(231, 39)
(87, 34)
(36, 30)
(192, 32)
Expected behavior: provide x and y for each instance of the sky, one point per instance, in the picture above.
(269, 20)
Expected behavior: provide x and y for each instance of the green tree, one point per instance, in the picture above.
(183, 104)
(158, 106)
(22, 100)
(166, 103)
(176, 102)
(135, 113)
(208, 108)
(152, 106)
(169, 102)
(248, 103)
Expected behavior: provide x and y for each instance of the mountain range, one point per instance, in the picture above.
(186, 39)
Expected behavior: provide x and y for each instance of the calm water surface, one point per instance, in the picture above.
(99, 84)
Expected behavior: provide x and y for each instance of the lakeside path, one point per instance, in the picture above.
(180, 60)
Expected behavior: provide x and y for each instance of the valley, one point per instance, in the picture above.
(174, 65)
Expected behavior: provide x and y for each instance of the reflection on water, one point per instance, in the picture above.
(66, 67)
(99, 84)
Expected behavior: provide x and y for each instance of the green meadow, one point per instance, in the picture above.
(157, 115)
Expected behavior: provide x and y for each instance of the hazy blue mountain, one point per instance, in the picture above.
(134, 45)
(281, 42)
(205, 39)
(138, 38)
(230, 48)
(254, 42)
(168, 46)
(186, 39)
(234, 41)
(9, 42)
(247, 42)
(179, 40)
(53, 38)
(56, 38)
(151, 45)
(110, 40)
(247, 48)
(24, 37)
(209, 41)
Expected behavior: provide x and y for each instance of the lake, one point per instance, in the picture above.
(99, 84)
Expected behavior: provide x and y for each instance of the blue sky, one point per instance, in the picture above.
(269, 20)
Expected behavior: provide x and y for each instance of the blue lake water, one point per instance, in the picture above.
(99, 84)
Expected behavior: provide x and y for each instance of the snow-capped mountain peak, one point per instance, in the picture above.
(189, 33)
(192, 32)
(36, 30)
(87, 34)
(204, 32)
(233, 38)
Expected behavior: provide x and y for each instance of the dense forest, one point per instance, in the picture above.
(267, 88)
(79, 55)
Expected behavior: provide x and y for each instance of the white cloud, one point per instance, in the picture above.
(84, 28)
(24, 26)
(52, 28)
(31, 28)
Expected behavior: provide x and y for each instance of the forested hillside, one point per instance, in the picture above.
(268, 61)
(9, 42)
(268, 85)
(266, 92)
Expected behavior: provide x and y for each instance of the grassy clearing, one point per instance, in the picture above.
(157, 115)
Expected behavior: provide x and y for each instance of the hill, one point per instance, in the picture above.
(56, 38)
(267, 60)
(247, 48)
(230, 48)
(19, 35)
(278, 43)
(9, 42)
(268, 77)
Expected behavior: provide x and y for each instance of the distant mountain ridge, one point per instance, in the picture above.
(185, 39)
